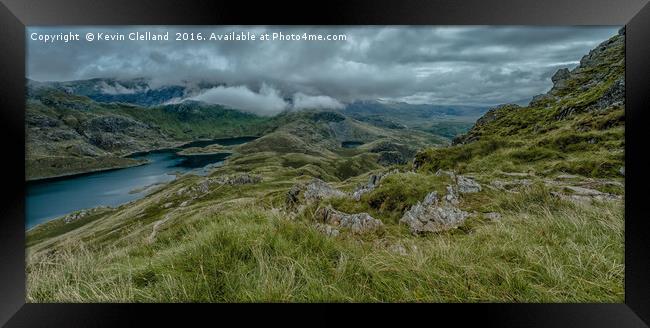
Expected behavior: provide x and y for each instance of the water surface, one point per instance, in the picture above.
(351, 144)
(51, 198)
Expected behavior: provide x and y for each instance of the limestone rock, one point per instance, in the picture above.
(432, 215)
(467, 185)
(359, 223)
(313, 191)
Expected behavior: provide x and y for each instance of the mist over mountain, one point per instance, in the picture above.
(265, 101)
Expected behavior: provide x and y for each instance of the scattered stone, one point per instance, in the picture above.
(441, 172)
(313, 191)
(583, 191)
(493, 216)
(168, 205)
(203, 187)
(373, 182)
(567, 176)
(156, 227)
(318, 189)
(516, 174)
(74, 216)
(398, 249)
(431, 216)
(327, 230)
(511, 184)
(357, 223)
(622, 170)
(185, 203)
(451, 197)
(236, 179)
(587, 195)
(467, 185)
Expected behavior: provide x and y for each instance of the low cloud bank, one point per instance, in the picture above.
(267, 101)
(303, 101)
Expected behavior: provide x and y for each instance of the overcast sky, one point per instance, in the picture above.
(437, 65)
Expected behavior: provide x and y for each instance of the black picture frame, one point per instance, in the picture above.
(16, 14)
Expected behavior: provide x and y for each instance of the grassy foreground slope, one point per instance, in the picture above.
(546, 226)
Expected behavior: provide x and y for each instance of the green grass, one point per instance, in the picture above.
(543, 250)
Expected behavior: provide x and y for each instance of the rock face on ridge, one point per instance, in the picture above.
(434, 215)
(596, 84)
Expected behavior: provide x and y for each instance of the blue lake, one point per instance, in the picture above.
(51, 198)
(351, 144)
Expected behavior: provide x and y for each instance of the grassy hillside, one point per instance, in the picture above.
(539, 190)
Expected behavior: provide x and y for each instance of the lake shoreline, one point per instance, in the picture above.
(91, 171)
(178, 145)
(53, 197)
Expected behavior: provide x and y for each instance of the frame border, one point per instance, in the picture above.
(635, 14)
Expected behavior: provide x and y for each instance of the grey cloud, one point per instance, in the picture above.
(303, 101)
(265, 102)
(481, 65)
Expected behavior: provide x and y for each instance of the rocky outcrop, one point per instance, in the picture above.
(327, 230)
(450, 174)
(74, 216)
(313, 191)
(236, 179)
(373, 182)
(573, 91)
(584, 195)
(204, 186)
(433, 215)
(359, 223)
(614, 96)
(467, 185)
(511, 185)
(560, 77)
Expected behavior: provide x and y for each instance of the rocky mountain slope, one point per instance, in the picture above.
(69, 134)
(138, 91)
(577, 127)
